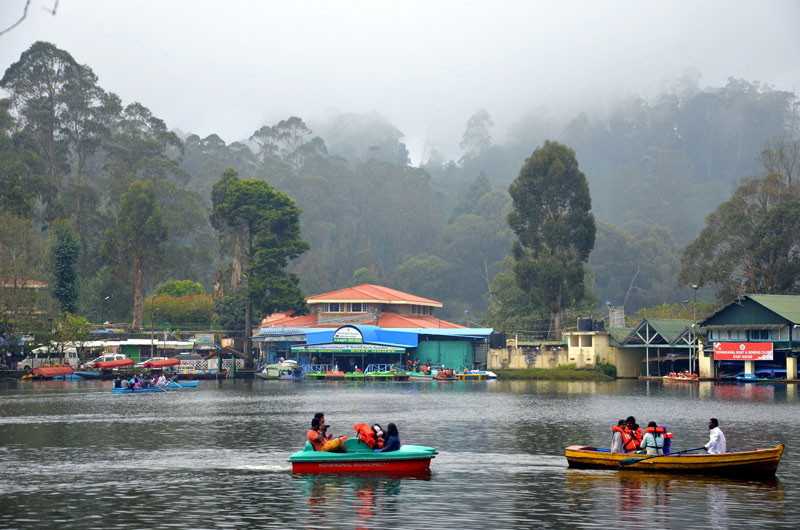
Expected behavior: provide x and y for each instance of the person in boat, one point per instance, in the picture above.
(118, 382)
(320, 440)
(616, 437)
(391, 441)
(716, 442)
(632, 437)
(653, 440)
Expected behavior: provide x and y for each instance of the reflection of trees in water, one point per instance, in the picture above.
(633, 498)
(368, 498)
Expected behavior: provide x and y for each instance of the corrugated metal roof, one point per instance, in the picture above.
(785, 305)
(619, 334)
(668, 328)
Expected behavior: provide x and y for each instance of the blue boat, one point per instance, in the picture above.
(172, 386)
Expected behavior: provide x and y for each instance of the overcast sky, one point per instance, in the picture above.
(228, 67)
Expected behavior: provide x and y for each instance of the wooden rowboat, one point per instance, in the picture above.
(758, 464)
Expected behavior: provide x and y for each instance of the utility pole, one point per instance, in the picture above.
(694, 328)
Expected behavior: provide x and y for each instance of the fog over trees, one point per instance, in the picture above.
(135, 202)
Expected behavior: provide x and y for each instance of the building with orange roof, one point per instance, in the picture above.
(417, 334)
(364, 304)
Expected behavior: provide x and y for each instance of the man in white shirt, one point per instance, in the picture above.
(716, 442)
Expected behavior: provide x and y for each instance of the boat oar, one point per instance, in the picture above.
(630, 461)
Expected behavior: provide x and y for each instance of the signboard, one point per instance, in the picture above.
(348, 334)
(204, 341)
(743, 351)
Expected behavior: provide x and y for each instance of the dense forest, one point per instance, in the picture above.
(83, 173)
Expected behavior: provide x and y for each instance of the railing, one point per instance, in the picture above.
(378, 368)
(325, 368)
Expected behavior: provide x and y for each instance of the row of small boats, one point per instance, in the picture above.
(760, 464)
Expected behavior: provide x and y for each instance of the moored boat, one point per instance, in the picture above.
(760, 463)
(681, 376)
(444, 375)
(360, 458)
(475, 375)
(49, 372)
(419, 376)
(283, 371)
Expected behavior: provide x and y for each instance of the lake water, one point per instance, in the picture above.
(73, 455)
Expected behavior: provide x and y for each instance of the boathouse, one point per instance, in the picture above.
(368, 324)
(753, 331)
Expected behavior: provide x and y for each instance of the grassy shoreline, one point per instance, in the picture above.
(556, 374)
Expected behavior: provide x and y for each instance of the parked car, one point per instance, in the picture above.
(141, 364)
(36, 359)
(104, 358)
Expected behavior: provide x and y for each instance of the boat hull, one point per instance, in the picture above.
(761, 463)
(408, 460)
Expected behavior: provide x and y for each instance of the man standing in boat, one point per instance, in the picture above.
(716, 443)
(322, 441)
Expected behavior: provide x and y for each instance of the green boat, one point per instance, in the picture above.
(360, 458)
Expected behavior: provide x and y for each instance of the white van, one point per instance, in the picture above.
(37, 359)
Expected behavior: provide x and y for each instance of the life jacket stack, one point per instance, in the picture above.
(367, 435)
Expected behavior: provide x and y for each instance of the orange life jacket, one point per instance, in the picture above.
(617, 428)
(367, 435)
(631, 439)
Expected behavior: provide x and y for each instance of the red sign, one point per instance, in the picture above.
(743, 351)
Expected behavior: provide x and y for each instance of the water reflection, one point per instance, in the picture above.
(635, 499)
(368, 499)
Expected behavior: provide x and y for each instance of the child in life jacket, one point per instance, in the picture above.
(632, 437)
(667, 438)
(616, 437)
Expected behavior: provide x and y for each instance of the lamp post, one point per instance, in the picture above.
(694, 327)
(466, 312)
(102, 320)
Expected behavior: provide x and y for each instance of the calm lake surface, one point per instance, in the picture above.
(73, 455)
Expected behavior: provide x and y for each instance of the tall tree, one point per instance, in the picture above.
(139, 236)
(477, 137)
(269, 223)
(751, 243)
(36, 84)
(555, 228)
(64, 250)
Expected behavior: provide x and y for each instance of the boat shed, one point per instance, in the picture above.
(755, 329)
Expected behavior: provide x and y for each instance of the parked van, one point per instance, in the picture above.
(37, 359)
(104, 358)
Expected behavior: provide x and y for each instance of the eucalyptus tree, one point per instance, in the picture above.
(136, 243)
(36, 83)
(555, 228)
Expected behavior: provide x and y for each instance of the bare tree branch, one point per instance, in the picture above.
(24, 14)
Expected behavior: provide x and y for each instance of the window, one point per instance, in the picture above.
(356, 308)
(334, 307)
(759, 334)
